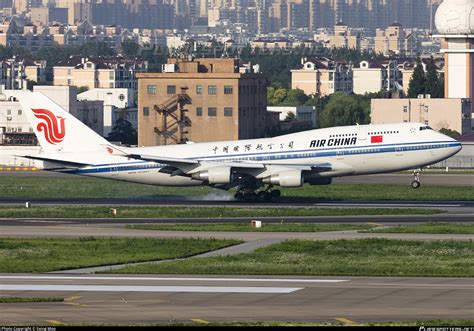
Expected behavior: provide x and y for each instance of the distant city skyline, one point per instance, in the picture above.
(257, 16)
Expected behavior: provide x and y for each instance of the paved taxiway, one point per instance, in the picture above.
(119, 231)
(145, 299)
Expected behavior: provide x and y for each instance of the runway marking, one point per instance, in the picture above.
(138, 288)
(345, 321)
(199, 321)
(208, 279)
(69, 301)
(424, 285)
(55, 322)
(72, 298)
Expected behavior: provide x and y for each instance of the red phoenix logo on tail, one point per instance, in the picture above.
(52, 126)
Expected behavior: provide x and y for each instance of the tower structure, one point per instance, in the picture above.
(455, 25)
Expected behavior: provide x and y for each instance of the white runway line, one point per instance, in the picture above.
(126, 288)
(208, 279)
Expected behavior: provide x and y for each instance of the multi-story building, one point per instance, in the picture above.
(394, 40)
(201, 100)
(322, 77)
(344, 38)
(15, 73)
(27, 36)
(98, 72)
(44, 16)
(376, 76)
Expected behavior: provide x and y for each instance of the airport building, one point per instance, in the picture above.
(453, 114)
(116, 100)
(201, 100)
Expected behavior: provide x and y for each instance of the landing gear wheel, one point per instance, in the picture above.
(276, 194)
(264, 196)
(239, 196)
(416, 183)
(250, 197)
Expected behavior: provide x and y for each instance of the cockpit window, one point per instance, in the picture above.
(422, 128)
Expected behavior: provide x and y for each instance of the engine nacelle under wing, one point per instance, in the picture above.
(214, 175)
(289, 178)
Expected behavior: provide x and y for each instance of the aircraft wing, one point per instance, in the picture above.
(189, 166)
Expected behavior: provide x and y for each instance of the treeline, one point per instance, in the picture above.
(338, 109)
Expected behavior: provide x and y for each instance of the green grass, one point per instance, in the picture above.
(196, 212)
(435, 228)
(365, 257)
(81, 187)
(29, 300)
(245, 227)
(42, 255)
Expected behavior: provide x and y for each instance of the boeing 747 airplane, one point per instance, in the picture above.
(253, 167)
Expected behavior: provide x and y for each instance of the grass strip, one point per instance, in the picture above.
(81, 187)
(245, 227)
(197, 212)
(42, 255)
(433, 228)
(364, 257)
(29, 300)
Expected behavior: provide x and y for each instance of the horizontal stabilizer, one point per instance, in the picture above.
(65, 163)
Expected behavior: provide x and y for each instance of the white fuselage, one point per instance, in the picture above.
(351, 150)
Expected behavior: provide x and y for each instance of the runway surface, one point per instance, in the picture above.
(144, 299)
(427, 177)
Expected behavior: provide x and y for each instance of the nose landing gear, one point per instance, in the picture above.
(416, 182)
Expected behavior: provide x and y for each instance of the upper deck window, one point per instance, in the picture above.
(422, 128)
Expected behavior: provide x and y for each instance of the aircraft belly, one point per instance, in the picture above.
(151, 177)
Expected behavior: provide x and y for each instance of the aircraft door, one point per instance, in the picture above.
(362, 134)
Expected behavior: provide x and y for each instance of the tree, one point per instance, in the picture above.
(434, 85)
(418, 81)
(343, 109)
(295, 98)
(130, 48)
(123, 131)
(82, 89)
(450, 133)
(290, 117)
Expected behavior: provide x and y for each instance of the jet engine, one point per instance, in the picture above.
(290, 178)
(216, 175)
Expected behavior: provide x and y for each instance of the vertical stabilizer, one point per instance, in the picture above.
(56, 129)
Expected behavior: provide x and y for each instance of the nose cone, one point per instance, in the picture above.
(454, 146)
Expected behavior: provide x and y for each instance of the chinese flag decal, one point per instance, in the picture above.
(376, 139)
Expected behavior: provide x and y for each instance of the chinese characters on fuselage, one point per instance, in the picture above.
(253, 147)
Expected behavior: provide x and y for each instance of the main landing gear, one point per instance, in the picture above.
(416, 182)
(251, 195)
